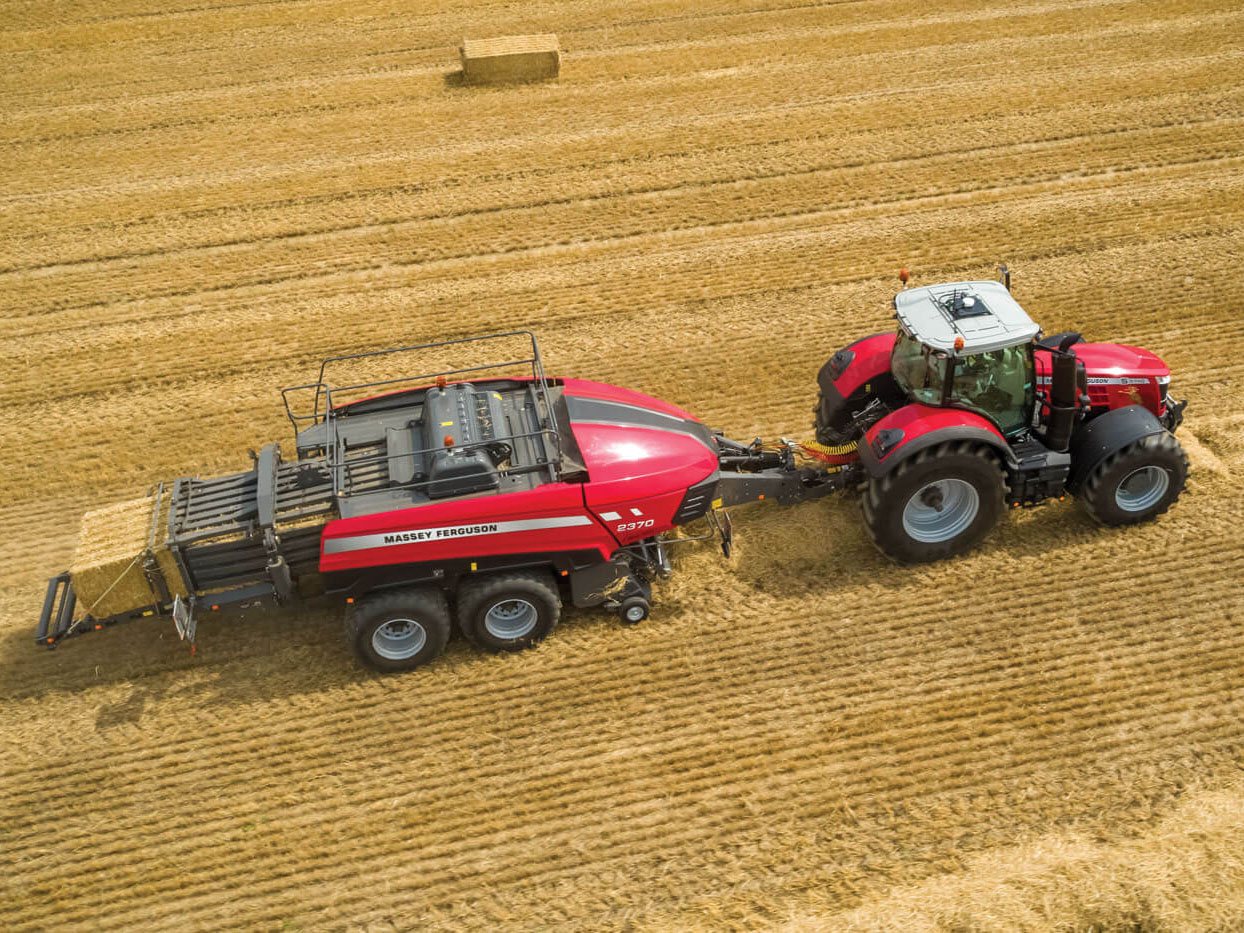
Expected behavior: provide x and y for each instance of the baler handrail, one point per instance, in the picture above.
(339, 466)
(294, 417)
(432, 375)
(322, 386)
(533, 360)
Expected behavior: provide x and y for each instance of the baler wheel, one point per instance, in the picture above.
(399, 630)
(1137, 483)
(634, 609)
(508, 611)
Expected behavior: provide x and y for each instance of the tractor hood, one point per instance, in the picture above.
(1117, 360)
(635, 446)
(1118, 375)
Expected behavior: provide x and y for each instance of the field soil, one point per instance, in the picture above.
(201, 198)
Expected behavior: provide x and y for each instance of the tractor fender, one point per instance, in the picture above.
(856, 364)
(1095, 440)
(906, 432)
(852, 377)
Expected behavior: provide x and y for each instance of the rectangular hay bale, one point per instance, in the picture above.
(107, 567)
(509, 59)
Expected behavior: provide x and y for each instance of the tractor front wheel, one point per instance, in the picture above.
(1137, 483)
(939, 503)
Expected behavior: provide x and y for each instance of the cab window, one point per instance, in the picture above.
(997, 384)
(919, 371)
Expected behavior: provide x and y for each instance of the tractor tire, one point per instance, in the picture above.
(1137, 483)
(399, 630)
(508, 611)
(938, 503)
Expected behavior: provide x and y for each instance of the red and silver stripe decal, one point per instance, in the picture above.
(401, 536)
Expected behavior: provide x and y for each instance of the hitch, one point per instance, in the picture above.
(755, 473)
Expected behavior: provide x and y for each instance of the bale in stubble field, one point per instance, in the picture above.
(510, 59)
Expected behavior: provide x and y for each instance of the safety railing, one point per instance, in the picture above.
(328, 401)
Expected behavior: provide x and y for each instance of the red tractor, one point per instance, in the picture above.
(480, 498)
(966, 409)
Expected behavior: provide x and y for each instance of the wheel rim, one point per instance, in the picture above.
(510, 619)
(941, 510)
(1142, 489)
(399, 639)
(635, 614)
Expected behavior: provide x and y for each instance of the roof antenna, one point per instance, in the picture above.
(1005, 274)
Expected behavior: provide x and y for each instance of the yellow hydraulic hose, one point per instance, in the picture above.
(837, 453)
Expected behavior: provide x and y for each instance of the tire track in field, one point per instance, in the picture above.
(1071, 649)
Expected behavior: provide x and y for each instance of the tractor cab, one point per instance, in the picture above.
(966, 345)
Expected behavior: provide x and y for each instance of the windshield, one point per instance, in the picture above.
(919, 371)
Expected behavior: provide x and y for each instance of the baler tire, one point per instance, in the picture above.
(885, 500)
(527, 602)
(414, 610)
(1099, 493)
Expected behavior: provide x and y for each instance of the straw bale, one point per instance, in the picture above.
(107, 568)
(509, 59)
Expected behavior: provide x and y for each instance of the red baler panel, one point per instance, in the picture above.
(627, 463)
(551, 518)
(640, 518)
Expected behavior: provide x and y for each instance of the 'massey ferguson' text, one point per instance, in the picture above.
(431, 534)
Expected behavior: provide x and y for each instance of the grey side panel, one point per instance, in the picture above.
(598, 411)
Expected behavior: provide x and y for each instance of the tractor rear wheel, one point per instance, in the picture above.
(399, 630)
(508, 611)
(1137, 483)
(938, 503)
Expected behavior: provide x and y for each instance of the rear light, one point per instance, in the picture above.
(839, 362)
(886, 440)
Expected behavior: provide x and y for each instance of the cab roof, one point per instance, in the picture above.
(983, 313)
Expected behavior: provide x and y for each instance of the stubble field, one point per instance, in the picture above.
(200, 200)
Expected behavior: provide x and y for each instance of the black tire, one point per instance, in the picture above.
(634, 609)
(410, 611)
(1149, 473)
(526, 603)
(886, 499)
